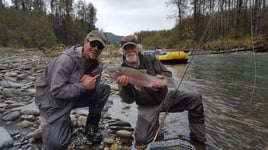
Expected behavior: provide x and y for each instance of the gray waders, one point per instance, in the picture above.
(148, 117)
(56, 134)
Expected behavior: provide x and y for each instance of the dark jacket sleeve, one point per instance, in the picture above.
(126, 93)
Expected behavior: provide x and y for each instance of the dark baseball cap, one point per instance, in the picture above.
(129, 40)
(97, 35)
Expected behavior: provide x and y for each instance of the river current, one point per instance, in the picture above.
(234, 89)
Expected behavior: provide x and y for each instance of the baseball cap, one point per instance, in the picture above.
(96, 35)
(130, 39)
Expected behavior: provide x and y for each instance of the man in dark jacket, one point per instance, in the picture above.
(72, 80)
(152, 101)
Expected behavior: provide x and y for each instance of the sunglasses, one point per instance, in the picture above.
(98, 44)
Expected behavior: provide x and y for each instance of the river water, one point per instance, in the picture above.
(235, 97)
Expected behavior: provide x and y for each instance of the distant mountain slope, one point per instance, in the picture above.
(112, 38)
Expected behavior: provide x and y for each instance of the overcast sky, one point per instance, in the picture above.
(124, 17)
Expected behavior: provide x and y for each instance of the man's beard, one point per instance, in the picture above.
(131, 57)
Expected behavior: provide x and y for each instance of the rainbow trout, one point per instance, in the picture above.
(140, 78)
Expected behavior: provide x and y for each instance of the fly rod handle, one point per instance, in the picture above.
(160, 126)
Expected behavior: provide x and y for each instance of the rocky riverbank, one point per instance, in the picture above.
(20, 120)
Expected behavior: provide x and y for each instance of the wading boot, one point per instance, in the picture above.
(93, 134)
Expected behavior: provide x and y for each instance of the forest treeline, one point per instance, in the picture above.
(214, 24)
(42, 23)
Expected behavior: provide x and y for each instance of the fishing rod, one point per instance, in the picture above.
(254, 58)
(180, 82)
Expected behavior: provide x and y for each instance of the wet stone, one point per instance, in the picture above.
(13, 132)
(120, 123)
(121, 128)
(10, 116)
(17, 136)
(28, 117)
(3, 105)
(11, 74)
(109, 140)
(25, 124)
(124, 134)
(5, 138)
